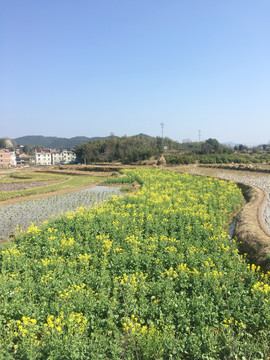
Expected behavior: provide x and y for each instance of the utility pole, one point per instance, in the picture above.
(200, 135)
(162, 127)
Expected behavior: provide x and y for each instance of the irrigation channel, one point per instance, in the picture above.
(20, 215)
(261, 180)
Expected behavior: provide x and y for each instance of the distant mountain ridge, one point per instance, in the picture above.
(54, 142)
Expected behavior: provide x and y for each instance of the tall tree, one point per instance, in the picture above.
(2, 143)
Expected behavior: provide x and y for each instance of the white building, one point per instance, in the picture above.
(54, 157)
(67, 156)
(13, 158)
(43, 157)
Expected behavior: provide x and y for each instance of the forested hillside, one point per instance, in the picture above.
(125, 149)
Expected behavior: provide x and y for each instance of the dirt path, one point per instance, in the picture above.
(250, 230)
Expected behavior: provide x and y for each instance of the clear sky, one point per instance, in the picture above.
(92, 67)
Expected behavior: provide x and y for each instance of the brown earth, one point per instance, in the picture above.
(21, 186)
(240, 167)
(252, 235)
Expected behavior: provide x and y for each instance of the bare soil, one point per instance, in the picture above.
(241, 167)
(251, 233)
(21, 186)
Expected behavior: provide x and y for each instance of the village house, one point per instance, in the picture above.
(68, 156)
(24, 159)
(7, 158)
(54, 157)
(43, 157)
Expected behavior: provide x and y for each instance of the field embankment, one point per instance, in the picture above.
(250, 230)
(262, 168)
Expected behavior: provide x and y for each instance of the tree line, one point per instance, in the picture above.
(125, 149)
(138, 148)
(132, 149)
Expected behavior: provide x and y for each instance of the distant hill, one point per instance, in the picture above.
(230, 144)
(144, 135)
(53, 142)
(233, 144)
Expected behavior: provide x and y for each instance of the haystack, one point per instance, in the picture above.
(161, 161)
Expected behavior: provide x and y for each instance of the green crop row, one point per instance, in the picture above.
(175, 159)
(151, 275)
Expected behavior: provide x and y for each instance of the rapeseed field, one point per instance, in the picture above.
(149, 275)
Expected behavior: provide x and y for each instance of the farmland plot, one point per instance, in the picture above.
(146, 276)
(19, 216)
(18, 185)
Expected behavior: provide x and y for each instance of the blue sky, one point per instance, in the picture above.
(85, 67)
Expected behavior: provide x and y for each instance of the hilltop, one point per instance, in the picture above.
(53, 142)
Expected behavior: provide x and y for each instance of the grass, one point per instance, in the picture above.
(29, 176)
(50, 183)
